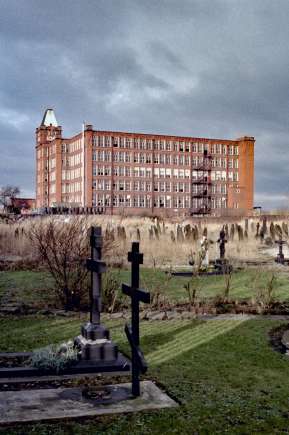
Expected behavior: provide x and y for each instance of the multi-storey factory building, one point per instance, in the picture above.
(133, 173)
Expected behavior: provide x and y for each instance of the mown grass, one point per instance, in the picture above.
(28, 287)
(37, 287)
(224, 373)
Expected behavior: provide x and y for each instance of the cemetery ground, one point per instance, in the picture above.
(225, 375)
(228, 373)
(33, 291)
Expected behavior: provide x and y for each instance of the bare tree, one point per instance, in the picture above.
(63, 248)
(7, 194)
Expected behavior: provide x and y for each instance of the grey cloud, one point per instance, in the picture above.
(195, 67)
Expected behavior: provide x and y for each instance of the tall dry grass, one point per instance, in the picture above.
(160, 250)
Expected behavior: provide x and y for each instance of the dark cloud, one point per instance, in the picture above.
(191, 67)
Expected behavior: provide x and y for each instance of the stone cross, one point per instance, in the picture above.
(96, 268)
(94, 341)
(132, 332)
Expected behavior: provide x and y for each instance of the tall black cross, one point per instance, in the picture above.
(132, 332)
(96, 267)
(222, 240)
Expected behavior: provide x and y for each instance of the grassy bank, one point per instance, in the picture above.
(37, 287)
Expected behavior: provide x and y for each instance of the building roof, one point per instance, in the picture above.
(49, 118)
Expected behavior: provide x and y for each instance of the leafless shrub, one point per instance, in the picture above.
(265, 294)
(193, 288)
(228, 284)
(63, 247)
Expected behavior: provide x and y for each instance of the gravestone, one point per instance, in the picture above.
(280, 256)
(221, 264)
(94, 341)
(132, 332)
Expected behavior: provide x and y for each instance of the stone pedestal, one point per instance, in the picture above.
(222, 265)
(95, 345)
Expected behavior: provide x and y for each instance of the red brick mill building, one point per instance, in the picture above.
(142, 174)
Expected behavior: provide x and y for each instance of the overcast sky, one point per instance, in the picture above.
(208, 68)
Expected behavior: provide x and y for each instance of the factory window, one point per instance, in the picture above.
(136, 158)
(122, 142)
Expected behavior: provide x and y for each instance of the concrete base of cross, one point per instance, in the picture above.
(99, 350)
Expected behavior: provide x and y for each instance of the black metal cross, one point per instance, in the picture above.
(96, 267)
(132, 332)
(222, 240)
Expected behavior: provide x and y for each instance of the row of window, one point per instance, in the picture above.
(71, 187)
(74, 160)
(166, 159)
(163, 145)
(71, 174)
(139, 172)
(224, 163)
(75, 199)
(161, 201)
(161, 186)
(143, 201)
(142, 186)
(224, 176)
(71, 147)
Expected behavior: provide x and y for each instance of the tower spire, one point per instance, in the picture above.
(49, 119)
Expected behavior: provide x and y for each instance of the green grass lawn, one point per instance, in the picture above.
(37, 287)
(224, 373)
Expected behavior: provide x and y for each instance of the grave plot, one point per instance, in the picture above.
(96, 354)
(219, 266)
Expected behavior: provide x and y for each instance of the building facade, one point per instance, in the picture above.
(142, 174)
